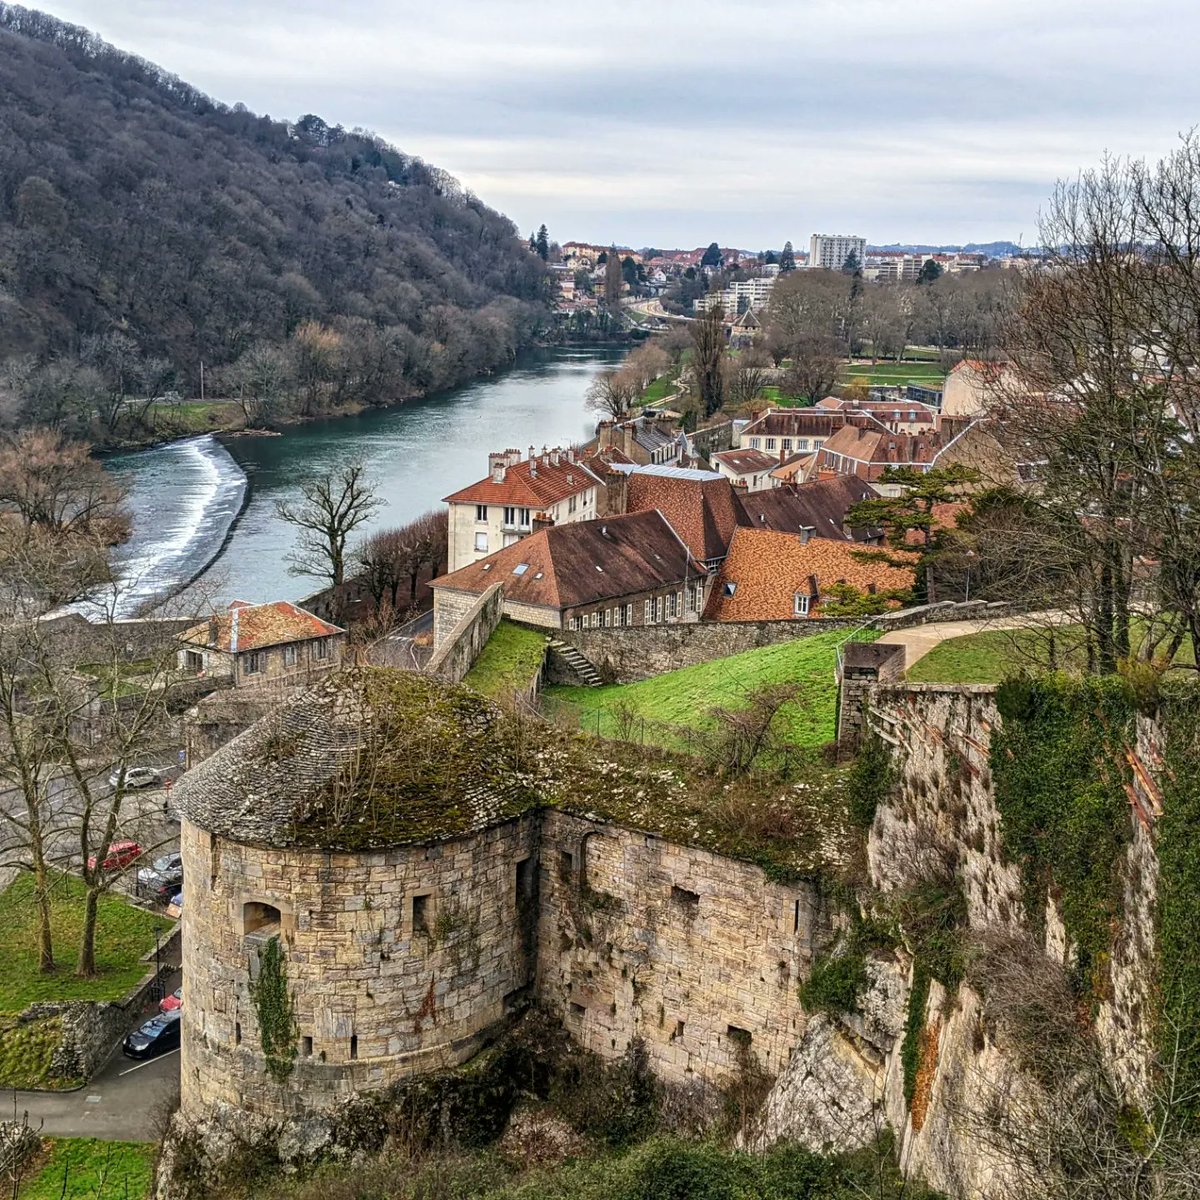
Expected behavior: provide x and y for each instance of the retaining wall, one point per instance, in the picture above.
(461, 630)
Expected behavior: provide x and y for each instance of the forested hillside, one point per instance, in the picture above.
(145, 227)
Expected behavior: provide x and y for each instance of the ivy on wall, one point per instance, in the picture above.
(273, 1006)
(869, 780)
(1178, 934)
(1059, 767)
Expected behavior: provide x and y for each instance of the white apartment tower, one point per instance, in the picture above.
(830, 250)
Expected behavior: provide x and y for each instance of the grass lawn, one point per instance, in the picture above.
(993, 654)
(774, 395)
(93, 1169)
(660, 389)
(200, 416)
(663, 711)
(508, 662)
(123, 934)
(26, 1051)
(894, 374)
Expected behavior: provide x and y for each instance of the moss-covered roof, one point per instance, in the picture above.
(373, 757)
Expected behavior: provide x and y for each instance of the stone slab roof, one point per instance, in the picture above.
(820, 507)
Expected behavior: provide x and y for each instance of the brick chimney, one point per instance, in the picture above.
(497, 464)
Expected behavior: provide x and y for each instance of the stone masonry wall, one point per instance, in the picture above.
(376, 997)
(692, 952)
(627, 655)
(460, 633)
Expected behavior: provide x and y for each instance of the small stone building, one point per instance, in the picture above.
(425, 866)
(251, 645)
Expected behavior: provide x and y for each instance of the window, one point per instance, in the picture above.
(481, 512)
(510, 516)
(525, 880)
(420, 913)
(289, 655)
(656, 609)
(787, 443)
(626, 614)
(576, 622)
(237, 1033)
(566, 866)
(695, 591)
(571, 502)
(354, 1045)
(770, 443)
(673, 605)
(254, 662)
(193, 660)
(524, 515)
(260, 918)
(520, 568)
(756, 443)
(481, 543)
(320, 650)
(816, 443)
(306, 1047)
(645, 612)
(802, 443)
(730, 588)
(800, 605)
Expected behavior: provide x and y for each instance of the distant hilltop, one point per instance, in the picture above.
(991, 249)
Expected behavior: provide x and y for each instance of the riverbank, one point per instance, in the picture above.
(231, 541)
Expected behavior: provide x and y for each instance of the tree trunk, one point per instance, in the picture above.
(87, 940)
(41, 888)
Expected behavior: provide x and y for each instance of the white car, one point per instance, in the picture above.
(136, 777)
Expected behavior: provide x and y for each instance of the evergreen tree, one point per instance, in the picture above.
(712, 256)
(542, 245)
(787, 260)
(772, 257)
(930, 271)
(602, 258)
(852, 265)
(532, 244)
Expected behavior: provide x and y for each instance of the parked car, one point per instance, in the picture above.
(120, 855)
(172, 1002)
(162, 879)
(156, 1036)
(175, 908)
(136, 777)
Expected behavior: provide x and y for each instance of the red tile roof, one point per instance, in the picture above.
(704, 512)
(765, 570)
(253, 626)
(585, 562)
(533, 483)
(743, 462)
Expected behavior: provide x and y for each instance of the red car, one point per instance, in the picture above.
(171, 1002)
(120, 855)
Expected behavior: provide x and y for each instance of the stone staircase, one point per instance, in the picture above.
(579, 664)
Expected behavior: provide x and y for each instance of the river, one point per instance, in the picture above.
(204, 509)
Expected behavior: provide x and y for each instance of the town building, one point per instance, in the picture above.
(646, 440)
(277, 644)
(830, 250)
(787, 431)
(610, 572)
(749, 469)
(867, 448)
(970, 386)
(702, 507)
(898, 416)
(769, 576)
(817, 508)
(739, 296)
(516, 496)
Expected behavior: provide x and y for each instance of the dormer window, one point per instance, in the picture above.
(800, 604)
(730, 588)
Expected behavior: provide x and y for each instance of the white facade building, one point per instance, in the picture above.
(830, 250)
(755, 292)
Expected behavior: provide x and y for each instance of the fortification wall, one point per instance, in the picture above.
(641, 652)
(696, 954)
(385, 984)
(462, 625)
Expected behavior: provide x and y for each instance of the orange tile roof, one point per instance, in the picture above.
(533, 483)
(704, 512)
(258, 625)
(766, 569)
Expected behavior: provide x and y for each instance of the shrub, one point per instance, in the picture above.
(836, 982)
(871, 778)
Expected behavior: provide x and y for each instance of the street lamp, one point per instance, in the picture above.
(157, 990)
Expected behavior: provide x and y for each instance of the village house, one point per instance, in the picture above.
(788, 431)
(646, 440)
(609, 572)
(900, 416)
(702, 507)
(256, 644)
(749, 469)
(969, 386)
(865, 448)
(517, 497)
(769, 576)
(817, 509)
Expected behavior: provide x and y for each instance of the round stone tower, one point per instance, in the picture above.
(360, 899)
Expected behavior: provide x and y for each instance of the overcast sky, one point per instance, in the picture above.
(677, 122)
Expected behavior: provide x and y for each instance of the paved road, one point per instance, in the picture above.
(125, 1101)
(920, 639)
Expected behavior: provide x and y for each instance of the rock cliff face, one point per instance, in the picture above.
(845, 1080)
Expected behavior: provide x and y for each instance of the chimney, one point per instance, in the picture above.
(513, 455)
(605, 435)
(233, 630)
(532, 453)
(554, 457)
(806, 531)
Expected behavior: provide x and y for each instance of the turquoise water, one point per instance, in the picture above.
(206, 508)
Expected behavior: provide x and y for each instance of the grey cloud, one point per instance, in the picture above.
(684, 120)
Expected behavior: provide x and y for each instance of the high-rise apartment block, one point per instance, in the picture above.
(830, 250)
